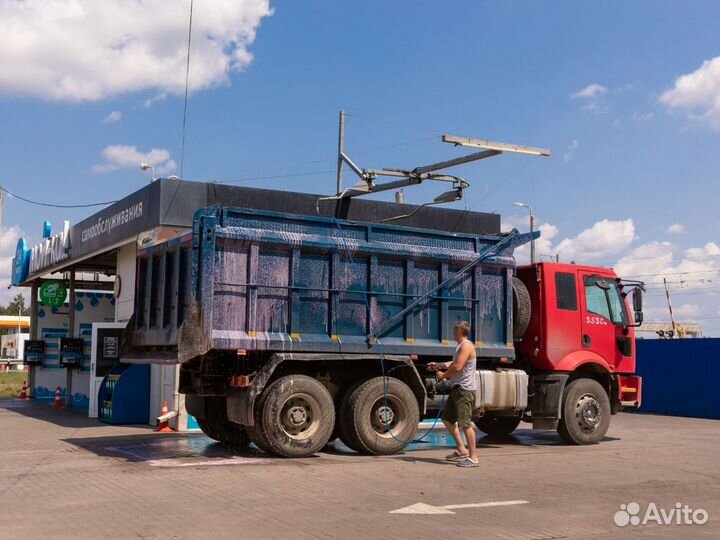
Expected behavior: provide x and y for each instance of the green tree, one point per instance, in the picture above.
(16, 306)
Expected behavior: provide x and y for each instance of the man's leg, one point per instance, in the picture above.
(455, 434)
(471, 444)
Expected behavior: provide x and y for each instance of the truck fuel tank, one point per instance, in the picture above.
(497, 390)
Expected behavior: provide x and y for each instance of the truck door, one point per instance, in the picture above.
(605, 321)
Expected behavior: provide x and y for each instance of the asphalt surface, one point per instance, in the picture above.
(65, 476)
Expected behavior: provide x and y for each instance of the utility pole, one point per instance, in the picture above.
(1, 205)
(532, 228)
(341, 149)
(667, 294)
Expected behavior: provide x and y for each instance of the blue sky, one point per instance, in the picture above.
(634, 147)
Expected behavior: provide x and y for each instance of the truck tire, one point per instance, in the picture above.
(522, 308)
(256, 434)
(345, 421)
(295, 417)
(207, 428)
(217, 426)
(497, 426)
(585, 412)
(370, 402)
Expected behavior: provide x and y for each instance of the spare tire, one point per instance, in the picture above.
(521, 308)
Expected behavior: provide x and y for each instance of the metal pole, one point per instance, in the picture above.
(34, 333)
(341, 149)
(71, 333)
(672, 318)
(532, 242)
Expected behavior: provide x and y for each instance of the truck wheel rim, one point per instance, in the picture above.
(588, 413)
(388, 416)
(300, 416)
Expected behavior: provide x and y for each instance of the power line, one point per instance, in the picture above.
(275, 176)
(674, 273)
(52, 205)
(393, 123)
(187, 80)
(247, 176)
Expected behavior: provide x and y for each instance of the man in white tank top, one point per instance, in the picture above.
(457, 413)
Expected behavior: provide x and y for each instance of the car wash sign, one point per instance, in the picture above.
(21, 262)
(51, 251)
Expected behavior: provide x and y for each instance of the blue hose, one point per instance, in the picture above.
(379, 346)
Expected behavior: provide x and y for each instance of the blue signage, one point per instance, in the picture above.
(47, 229)
(21, 262)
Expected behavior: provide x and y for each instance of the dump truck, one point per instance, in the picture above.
(292, 330)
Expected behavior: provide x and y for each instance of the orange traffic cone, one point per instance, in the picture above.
(23, 392)
(58, 401)
(163, 427)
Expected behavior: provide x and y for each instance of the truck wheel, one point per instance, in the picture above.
(217, 426)
(254, 432)
(522, 308)
(295, 418)
(585, 412)
(208, 430)
(497, 426)
(378, 403)
(346, 422)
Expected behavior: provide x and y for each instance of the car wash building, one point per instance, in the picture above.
(83, 290)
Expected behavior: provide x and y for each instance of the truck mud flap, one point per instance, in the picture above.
(546, 399)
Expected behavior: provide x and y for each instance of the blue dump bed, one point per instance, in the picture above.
(265, 281)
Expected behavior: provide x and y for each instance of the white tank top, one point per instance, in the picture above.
(465, 379)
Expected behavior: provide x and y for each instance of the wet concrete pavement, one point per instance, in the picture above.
(65, 476)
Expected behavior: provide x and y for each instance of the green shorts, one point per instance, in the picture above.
(459, 407)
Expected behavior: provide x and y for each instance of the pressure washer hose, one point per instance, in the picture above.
(366, 297)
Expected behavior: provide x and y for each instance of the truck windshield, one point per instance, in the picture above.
(605, 301)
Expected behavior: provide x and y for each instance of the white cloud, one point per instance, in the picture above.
(691, 275)
(676, 228)
(119, 156)
(698, 93)
(567, 156)
(658, 259)
(155, 99)
(113, 117)
(81, 50)
(590, 91)
(543, 245)
(604, 239)
(593, 98)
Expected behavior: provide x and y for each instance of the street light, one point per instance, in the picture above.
(145, 167)
(532, 229)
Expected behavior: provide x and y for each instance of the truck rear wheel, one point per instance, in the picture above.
(385, 415)
(497, 426)
(295, 417)
(585, 412)
(346, 421)
(217, 426)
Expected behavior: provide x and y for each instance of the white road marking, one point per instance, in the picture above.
(422, 508)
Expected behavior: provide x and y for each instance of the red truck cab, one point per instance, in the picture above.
(582, 325)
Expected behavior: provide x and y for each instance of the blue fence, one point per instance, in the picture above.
(681, 377)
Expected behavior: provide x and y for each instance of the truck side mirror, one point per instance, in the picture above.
(637, 299)
(637, 305)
